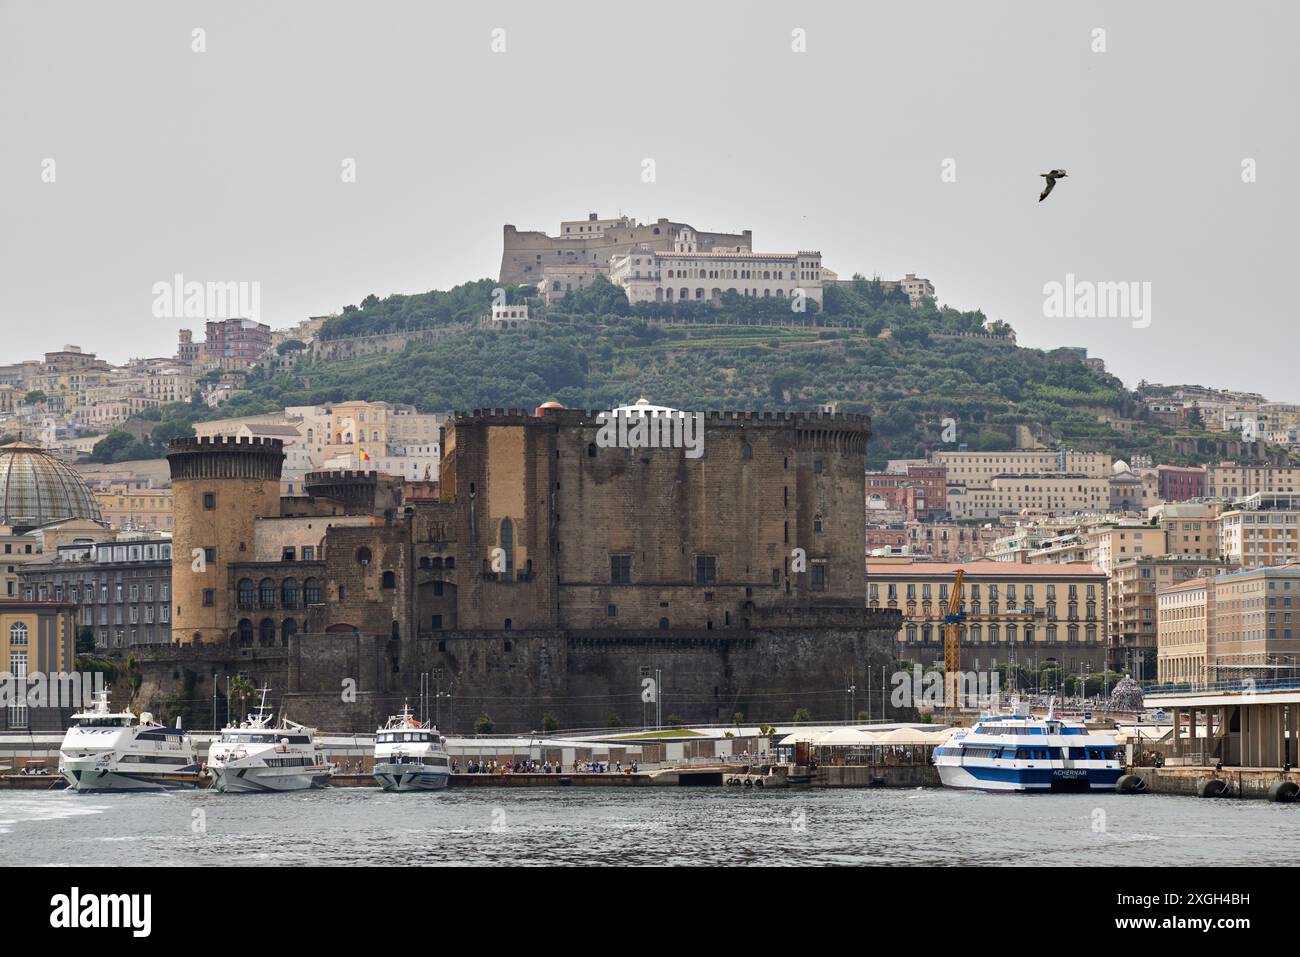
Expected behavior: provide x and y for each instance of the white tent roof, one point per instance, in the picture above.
(811, 735)
(912, 736)
(849, 737)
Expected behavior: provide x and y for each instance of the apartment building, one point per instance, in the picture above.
(1183, 622)
(921, 492)
(979, 468)
(121, 589)
(1132, 605)
(136, 506)
(1237, 626)
(1191, 528)
(1229, 480)
(1067, 604)
(1262, 529)
(1042, 494)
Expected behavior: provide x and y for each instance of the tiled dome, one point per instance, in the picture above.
(37, 488)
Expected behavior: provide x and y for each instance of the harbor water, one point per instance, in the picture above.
(643, 826)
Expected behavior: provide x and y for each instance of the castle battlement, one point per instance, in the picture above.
(593, 417)
(215, 443)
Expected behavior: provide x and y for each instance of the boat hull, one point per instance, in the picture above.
(400, 777)
(1027, 780)
(89, 778)
(254, 780)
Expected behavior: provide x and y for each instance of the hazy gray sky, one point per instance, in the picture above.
(225, 165)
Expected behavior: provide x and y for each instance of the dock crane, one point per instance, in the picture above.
(952, 621)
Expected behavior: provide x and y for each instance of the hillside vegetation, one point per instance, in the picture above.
(867, 351)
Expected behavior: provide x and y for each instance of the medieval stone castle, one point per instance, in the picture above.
(543, 573)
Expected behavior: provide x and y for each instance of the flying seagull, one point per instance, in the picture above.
(1051, 178)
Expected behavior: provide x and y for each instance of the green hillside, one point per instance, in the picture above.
(866, 352)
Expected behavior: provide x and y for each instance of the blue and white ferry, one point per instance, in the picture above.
(1024, 753)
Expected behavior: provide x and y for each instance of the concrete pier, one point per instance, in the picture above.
(1241, 782)
(877, 776)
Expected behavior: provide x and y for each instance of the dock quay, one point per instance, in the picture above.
(1250, 783)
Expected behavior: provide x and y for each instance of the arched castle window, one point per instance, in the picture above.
(266, 632)
(451, 563)
(311, 592)
(245, 631)
(389, 580)
(288, 630)
(18, 633)
(363, 556)
(289, 593)
(266, 593)
(663, 624)
(245, 592)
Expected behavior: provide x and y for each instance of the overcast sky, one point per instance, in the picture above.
(226, 165)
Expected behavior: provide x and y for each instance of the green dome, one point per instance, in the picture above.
(37, 488)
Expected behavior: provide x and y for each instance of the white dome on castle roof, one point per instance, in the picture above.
(643, 406)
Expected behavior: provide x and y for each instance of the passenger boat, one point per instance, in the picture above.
(260, 756)
(410, 756)
(1022, 752)
(107, 750)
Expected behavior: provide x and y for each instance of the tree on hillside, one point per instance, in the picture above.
(121, 447)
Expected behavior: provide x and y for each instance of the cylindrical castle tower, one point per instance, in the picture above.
(220, 487)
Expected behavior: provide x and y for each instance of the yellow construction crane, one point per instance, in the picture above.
(952, 621)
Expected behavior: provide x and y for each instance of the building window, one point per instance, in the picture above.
(245, 593)
(620, 569)
(209, 597)
(389, 580)
(289, 593)
(266, 593)
(311, 592)
(209, 501)
(507, 542)
(18, 669)
(706, 570)
(818, 576)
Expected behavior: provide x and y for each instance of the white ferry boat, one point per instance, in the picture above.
(259, 756)
(1021, 752)
(410, 756)
(107, 750)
